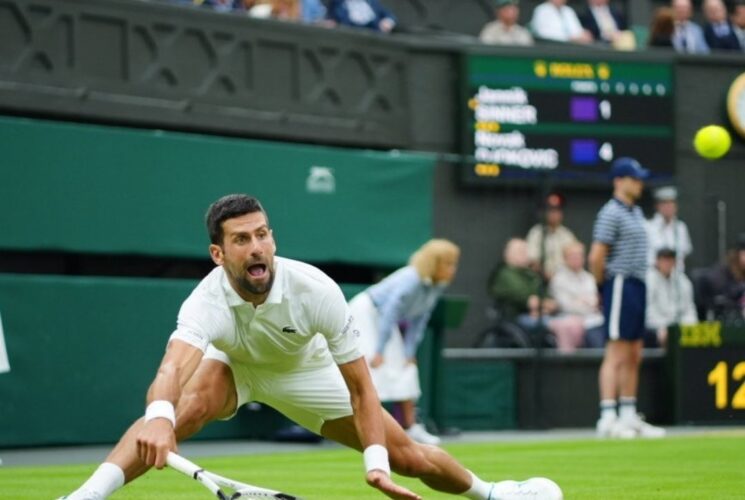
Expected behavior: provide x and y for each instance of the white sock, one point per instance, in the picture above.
(627, 408)
(107, 479)
(479, 489)
(608, 408)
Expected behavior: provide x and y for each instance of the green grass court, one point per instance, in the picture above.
(702, 467)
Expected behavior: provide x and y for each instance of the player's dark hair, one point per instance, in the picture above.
(227, 207)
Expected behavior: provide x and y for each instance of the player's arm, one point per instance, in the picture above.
(368, 421)
(157, 437)
(596, 260)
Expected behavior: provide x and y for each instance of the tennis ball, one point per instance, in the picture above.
(712, 142)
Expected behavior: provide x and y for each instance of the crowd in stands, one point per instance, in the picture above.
(542, 281)
(598, 22)
(369, 14)
(601, 23)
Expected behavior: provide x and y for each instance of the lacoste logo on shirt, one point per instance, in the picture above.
(289, 329)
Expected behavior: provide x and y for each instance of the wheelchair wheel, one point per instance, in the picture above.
(503, 335)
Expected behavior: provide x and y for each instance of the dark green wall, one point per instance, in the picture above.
(83, 352)
(702, 86)
(87, 188)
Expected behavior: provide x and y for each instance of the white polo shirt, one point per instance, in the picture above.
(282, 333)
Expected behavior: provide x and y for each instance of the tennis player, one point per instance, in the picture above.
(264, 328)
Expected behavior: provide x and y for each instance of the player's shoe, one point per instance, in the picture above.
(418, 433)
(642, 428)
(538, 488)
(612, 427)
(82, 495)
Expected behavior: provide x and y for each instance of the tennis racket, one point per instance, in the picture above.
(215, 483)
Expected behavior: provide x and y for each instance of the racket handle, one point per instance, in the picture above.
(182, 465)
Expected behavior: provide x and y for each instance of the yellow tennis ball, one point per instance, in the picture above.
(712, 142)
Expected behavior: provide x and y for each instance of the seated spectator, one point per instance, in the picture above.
(504, 30)
(362, 14)
(666, 230)
(718, 30)
(688, 36)
(220, 5)
(662, 28)
(307, 11)
(738, 22)
(669, 298)
(576, 293)
(516, 288)
(555, 20)
(285, 10)
(723, 289)
(607, 24)
(549, 251)
(314, 12)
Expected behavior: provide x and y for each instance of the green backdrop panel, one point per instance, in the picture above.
(101, 189)
(477, 395)
(83, 352)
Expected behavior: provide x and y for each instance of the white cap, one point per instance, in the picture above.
(667, 193)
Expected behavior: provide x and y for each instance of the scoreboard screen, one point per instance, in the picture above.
(529, 117)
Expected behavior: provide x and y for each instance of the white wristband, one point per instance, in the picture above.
(161, 409)
(376, 457)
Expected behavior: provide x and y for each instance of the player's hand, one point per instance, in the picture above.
(382, 482)
(154, 441)
(376, 361)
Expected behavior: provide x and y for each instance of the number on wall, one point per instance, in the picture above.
(718, 377)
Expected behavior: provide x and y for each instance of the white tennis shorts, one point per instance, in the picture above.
(396, 379)
(307, 396)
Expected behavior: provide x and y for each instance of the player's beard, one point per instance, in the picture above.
(255, 288)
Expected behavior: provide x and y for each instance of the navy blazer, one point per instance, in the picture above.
(337, 10)
(716, 42)
(590, 24)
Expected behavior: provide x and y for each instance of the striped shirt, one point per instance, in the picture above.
(623, 229)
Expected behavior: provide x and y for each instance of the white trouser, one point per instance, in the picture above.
(396, 379)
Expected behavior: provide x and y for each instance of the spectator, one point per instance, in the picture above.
(220, 5)
(504, 30)
(723, 289)
(665, 230)
(517, 290)
(738, 22)
(556, 21)
(688, 36)
(362, 14)
(669, 298)
(314, 12)
(575, 291)
(550, 249)
(606, 24)
(718, 30)
(286, 10)
(662, 28)
(407, 297)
